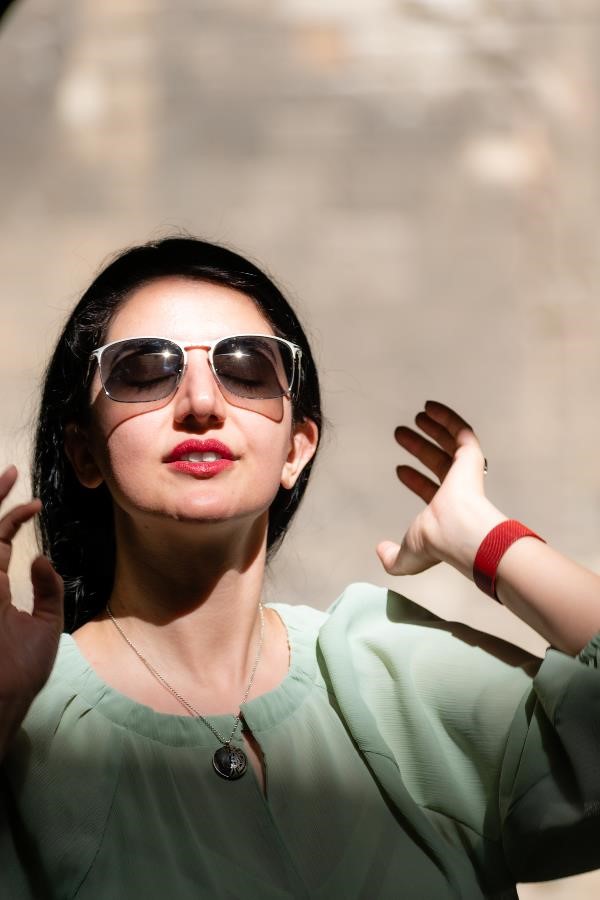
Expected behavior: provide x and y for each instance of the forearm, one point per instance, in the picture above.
(554, 595)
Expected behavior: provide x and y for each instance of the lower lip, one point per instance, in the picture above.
(201, 469)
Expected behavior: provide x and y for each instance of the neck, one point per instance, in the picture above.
(190, 597)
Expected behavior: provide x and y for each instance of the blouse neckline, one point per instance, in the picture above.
(261, 713)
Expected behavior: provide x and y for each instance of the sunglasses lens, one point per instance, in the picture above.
(254, 367)
(133, 371)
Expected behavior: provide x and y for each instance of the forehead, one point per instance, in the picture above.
(183, 309)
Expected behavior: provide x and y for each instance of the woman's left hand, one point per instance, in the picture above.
(458, 514)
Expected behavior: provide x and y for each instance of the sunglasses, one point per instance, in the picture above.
(252, 366)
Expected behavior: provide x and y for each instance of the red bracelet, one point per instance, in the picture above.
(492, 549)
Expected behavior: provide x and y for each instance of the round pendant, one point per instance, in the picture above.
(230, 762)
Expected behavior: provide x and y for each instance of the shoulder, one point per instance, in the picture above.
(61, 772)
(63, 720)
(59, 692)
(61, 733)
(436, 699)
(368, 619)
(380, 642)
(300, 617)
(368, 613)
(392, 646)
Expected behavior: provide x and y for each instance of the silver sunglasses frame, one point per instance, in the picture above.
(209, 346)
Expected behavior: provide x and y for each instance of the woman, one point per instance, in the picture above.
(190, 741)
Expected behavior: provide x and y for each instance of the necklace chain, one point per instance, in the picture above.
(185, 703)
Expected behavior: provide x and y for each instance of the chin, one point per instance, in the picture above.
(216, 514)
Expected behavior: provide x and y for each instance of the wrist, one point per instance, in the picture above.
(492, 550)
(459, 548)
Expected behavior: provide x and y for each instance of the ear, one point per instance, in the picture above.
(303, 444)
(80, 456)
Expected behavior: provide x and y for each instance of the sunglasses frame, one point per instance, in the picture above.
(209, 346)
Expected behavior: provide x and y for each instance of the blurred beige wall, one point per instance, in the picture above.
(421, 176)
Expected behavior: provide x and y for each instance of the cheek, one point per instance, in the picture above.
(267, 457)
(269, 437)
(129, 451)
(123, 448)
(273, 409)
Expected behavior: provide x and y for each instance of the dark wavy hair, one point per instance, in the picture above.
(75, 526)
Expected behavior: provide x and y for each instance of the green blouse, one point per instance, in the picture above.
(405, 756)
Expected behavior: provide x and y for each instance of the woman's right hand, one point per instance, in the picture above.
(28, 641)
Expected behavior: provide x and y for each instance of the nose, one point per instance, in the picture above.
(198, 398)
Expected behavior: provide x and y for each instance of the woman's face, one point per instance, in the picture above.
(136, 448)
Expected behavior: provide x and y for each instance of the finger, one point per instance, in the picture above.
(436, 431)
(469, 459)
(16, 517)
(451, 421)
(397, 559)
(390, 555)
(418, 483)
(457, 427)
(425, 451)
(47, 591)
(10, 525)
(7, 480)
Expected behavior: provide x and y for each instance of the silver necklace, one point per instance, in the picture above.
(228, 762)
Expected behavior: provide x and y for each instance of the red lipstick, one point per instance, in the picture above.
(200, 458)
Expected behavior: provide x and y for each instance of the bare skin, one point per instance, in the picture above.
(554, 595)
(114, 663)
(28, 643)
(194, 644)
(190, 551)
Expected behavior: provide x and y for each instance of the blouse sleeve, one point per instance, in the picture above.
(550, 781)
(499, 753)
(57, 785)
